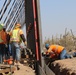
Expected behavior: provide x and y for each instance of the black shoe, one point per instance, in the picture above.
(18, 68)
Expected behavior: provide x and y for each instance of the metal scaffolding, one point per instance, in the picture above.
(12, 11)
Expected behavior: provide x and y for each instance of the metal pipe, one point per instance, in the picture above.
(35, 28)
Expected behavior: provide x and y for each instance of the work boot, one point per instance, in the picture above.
(18, 68)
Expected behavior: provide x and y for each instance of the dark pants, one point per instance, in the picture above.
(7, 53)
(2, 52)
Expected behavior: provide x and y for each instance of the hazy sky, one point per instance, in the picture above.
(56, 15)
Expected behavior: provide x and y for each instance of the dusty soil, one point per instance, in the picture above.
(24, 70)
(64, 67)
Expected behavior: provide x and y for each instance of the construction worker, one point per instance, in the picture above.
(7, 54)
(3, 42)
(15, 39)
(56, 51)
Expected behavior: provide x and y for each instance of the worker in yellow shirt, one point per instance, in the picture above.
(57, 51)
(16, 36)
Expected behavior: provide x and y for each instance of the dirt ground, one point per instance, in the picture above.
(24, 70)
(64, 67)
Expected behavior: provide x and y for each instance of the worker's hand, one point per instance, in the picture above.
(43, 53)
(25, 43)
(6, 45)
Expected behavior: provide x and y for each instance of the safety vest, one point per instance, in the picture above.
(3, 37)
(56, 49)
(15, 37)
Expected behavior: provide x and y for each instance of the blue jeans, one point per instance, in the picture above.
(15, 49)
(64, 55)
(10, 49)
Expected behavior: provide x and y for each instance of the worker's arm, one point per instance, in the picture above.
(22, 36)
(52, 55)
(50, 52)
(8, 38)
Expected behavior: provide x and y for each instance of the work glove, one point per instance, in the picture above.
(43, 54)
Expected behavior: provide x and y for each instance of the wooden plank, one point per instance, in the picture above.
(8, 70)
(6, 65)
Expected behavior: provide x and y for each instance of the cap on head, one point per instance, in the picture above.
(47, 46)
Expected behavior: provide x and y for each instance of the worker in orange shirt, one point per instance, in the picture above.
(57, 51)
(3, 42)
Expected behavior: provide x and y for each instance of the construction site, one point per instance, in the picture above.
(27, 13)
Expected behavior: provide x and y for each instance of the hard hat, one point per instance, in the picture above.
(47, 46)
(17, 25)
(1, 26)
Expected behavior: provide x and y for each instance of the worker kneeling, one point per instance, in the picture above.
(56, 51)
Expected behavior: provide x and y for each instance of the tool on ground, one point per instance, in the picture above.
(10, 62)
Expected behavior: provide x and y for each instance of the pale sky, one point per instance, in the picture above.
(56, 15)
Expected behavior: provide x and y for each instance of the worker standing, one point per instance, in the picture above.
(7, 53)
(15, 39)
(57, 51)
(3, 43)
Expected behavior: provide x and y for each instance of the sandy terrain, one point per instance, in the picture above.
(64, 67)
(24, 70)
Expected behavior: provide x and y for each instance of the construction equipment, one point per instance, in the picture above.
(7, 68)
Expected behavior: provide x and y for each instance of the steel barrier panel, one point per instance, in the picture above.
(33, 28)
(30, 33)
(41, 71)
(48, 71)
